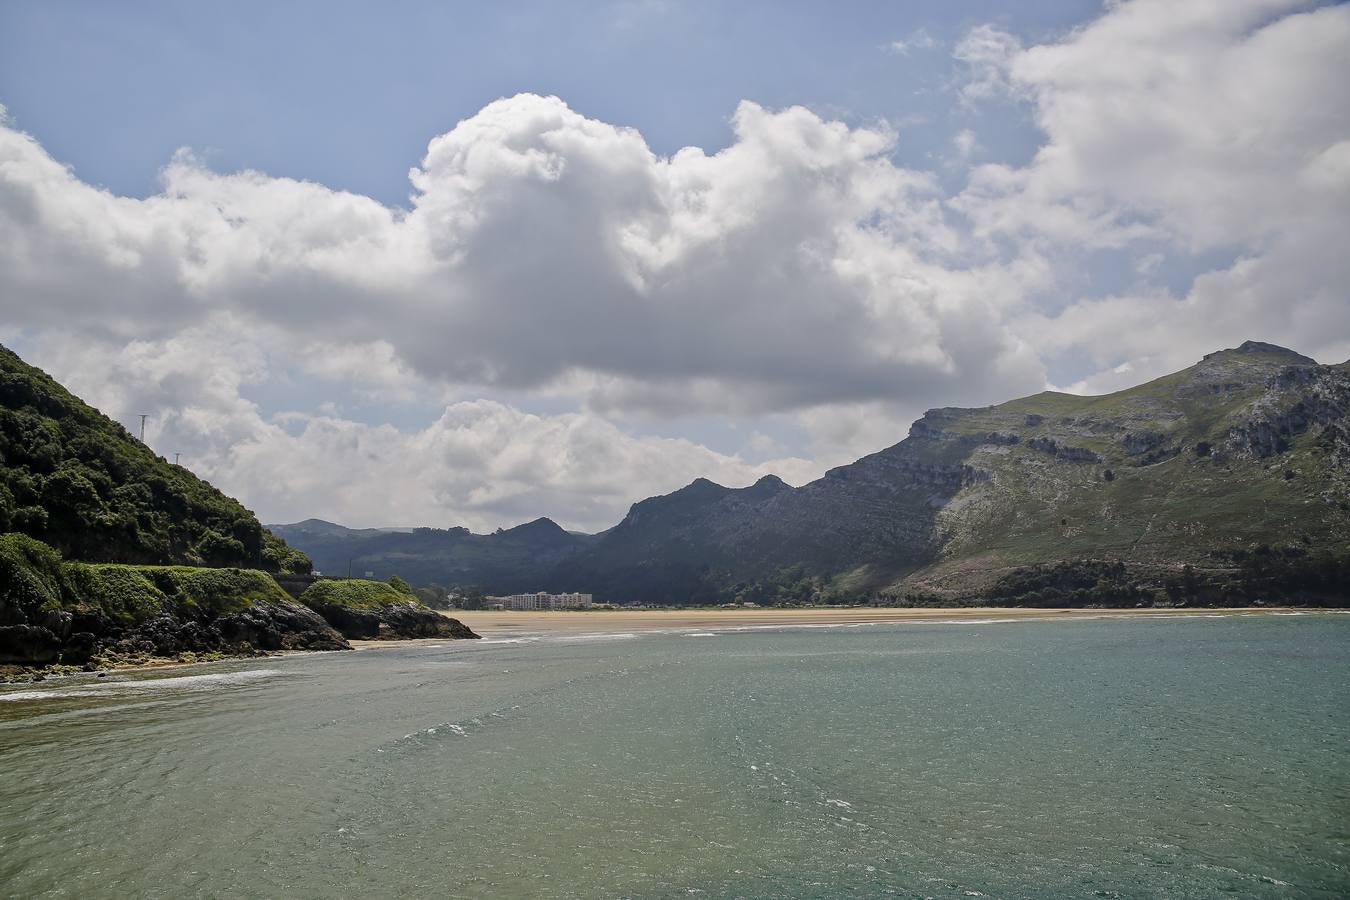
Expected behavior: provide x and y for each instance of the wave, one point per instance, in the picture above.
(142, 686)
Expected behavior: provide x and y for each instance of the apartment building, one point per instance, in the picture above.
(541, 600)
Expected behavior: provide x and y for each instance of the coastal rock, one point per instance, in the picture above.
(28, 645)
(281, 626)
(392, 622)
(76, 638)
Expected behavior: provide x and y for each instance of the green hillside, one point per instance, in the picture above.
(1226, 482)
(78, 481)
(1246, 451)
(88, 614)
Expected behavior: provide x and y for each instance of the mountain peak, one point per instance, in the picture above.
(1265, 349)
(767, 486)
(540, 526)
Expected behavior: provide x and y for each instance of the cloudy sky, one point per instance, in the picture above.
(423, 263)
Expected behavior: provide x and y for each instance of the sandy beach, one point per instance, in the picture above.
(627, 620)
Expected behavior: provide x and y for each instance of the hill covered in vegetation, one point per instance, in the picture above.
(88, 614)
(1227, 482)
(108, 553)
(79, 482)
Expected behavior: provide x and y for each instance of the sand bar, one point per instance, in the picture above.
(599, 621)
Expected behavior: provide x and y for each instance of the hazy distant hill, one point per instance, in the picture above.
(78, 481)
(507, 560)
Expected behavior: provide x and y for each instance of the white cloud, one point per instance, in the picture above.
(964, 146)
(798, 266)
(986, 51)
(797, 275)
(918, 39)
(482, 463)
(1200, 126)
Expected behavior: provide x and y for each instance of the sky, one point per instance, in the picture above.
(471, 264)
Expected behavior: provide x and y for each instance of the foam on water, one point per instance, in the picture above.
(142, 686)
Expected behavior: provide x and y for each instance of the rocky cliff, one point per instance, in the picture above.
(1245, 450)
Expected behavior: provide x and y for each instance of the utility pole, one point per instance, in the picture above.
(144, 416)
(175, 458)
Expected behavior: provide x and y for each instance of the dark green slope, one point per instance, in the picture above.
(78, 481)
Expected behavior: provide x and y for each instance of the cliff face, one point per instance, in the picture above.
(1247, 448)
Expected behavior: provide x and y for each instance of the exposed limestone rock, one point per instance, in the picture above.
(1068, 454)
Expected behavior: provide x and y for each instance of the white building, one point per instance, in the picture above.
(541, 600)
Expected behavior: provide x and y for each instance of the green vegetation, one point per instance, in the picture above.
(35, 580)
(79, 482)
(31, 577)
(794, 586)
(355, 593)
(1071, 584)
(1038, 500)
(1171, 492)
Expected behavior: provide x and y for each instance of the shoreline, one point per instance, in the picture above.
(500, 622)
(504, 623)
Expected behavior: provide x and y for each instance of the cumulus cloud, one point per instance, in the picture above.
(918, 39)
(799, 274)
(986, 52)
(796, 267)
(481, 463)
(1196, 127)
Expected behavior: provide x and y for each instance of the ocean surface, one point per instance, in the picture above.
(1110, 757)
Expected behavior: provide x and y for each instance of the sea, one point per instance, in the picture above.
(1196, 756)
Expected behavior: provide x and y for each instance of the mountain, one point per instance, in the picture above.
(1226, 482)
(1239, 463)
(515, 559)
(79, 482)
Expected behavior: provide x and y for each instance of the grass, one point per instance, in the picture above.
(34, 579)
(354, 593)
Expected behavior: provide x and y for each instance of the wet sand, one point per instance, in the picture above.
(627, 620)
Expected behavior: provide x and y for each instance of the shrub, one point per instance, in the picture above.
(355, 593)
(30, 577)
(124, 593)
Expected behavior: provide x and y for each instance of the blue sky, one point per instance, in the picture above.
(348, 94)
(892, 206)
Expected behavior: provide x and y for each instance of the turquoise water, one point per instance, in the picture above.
(1186, 757)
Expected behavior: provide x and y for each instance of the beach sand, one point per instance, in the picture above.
(602, 621)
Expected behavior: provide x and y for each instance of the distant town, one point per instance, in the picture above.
(541, 600)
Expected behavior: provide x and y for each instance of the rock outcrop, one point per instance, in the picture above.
(77, 637)
(392, 622)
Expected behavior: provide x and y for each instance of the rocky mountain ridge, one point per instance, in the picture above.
(1246, 452)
